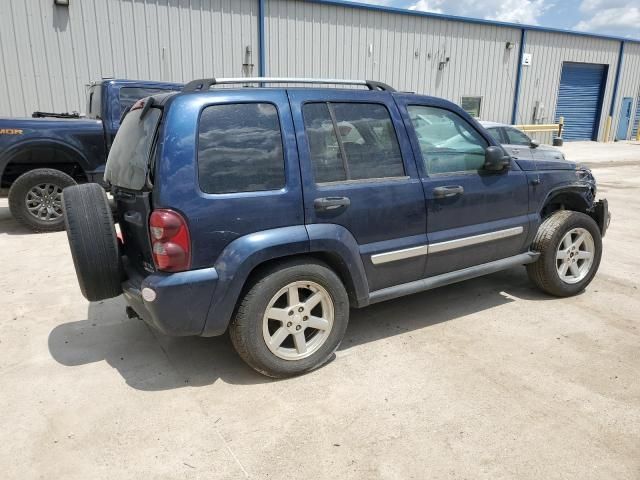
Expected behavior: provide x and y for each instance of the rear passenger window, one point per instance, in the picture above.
(351, 141)
(240, 148)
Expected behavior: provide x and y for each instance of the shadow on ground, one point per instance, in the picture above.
(148, 360)
(8, 224)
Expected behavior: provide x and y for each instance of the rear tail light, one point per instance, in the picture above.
(170, 241)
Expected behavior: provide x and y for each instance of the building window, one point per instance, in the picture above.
(471, 105)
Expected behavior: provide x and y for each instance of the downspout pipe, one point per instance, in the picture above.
(615, 85)
(614, 95)
(516, 93)
(262, 71)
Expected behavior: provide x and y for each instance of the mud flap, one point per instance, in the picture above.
(600, 213)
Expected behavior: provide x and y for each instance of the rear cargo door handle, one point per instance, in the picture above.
(448, 191)
(330, 203)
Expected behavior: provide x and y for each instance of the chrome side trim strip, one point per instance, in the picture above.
(399, 254)
(405, 253)
(474, 240)
(451, 277)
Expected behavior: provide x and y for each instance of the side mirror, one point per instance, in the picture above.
(495, 159)
(534, 143)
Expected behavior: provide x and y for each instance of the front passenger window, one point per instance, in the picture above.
(447, 142)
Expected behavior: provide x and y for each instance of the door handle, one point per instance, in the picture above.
(448, 191)
(324, 204)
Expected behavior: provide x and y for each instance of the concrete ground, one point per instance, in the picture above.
(484, 379)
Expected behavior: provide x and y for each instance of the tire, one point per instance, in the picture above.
(35, 199)
(247, 330)
(546, 272)
(93, 242)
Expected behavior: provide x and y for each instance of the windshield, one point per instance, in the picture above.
(128, 161)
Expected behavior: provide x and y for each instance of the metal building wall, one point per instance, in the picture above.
(48, 53)
(314, 40)
(540, 80)
(629, 85)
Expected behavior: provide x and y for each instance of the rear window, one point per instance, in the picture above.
(240, 148)
(128, 161)
(130, 95)
(94, 102)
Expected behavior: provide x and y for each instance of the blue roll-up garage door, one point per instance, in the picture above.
(580, 99)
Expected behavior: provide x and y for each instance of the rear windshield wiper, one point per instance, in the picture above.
(55, 115)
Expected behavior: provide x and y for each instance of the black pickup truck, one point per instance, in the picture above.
(40, 156)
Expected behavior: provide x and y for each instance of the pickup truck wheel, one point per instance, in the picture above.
(92, 238)
(291, 320)
(570, 247)
(35, 199)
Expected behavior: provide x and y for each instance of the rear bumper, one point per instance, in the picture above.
(181, 302)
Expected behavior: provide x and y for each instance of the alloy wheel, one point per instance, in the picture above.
(574, 256)
(298, 320)
(44, 202)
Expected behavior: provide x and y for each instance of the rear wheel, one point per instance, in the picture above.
(93, 242)
(35, 199)
(292, 320)
(570, 247)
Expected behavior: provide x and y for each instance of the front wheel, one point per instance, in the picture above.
(291, 320)
(570, 247)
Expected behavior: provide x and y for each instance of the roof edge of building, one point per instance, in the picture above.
(481, 21)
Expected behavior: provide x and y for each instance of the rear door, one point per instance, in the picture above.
(473, 216)
(358, 173)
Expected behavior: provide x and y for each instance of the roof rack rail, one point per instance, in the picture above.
(204, 84)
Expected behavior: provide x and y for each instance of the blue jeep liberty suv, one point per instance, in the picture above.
(270, 212)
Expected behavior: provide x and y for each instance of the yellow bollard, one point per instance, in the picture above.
(560, 126)
(607, 127)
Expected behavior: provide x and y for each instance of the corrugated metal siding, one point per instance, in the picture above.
(636, 120)
(580, 99)
(629, 85)
(312, 40)
(48, 53)
(540, 80)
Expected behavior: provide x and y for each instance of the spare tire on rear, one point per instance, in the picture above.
(92, 238)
